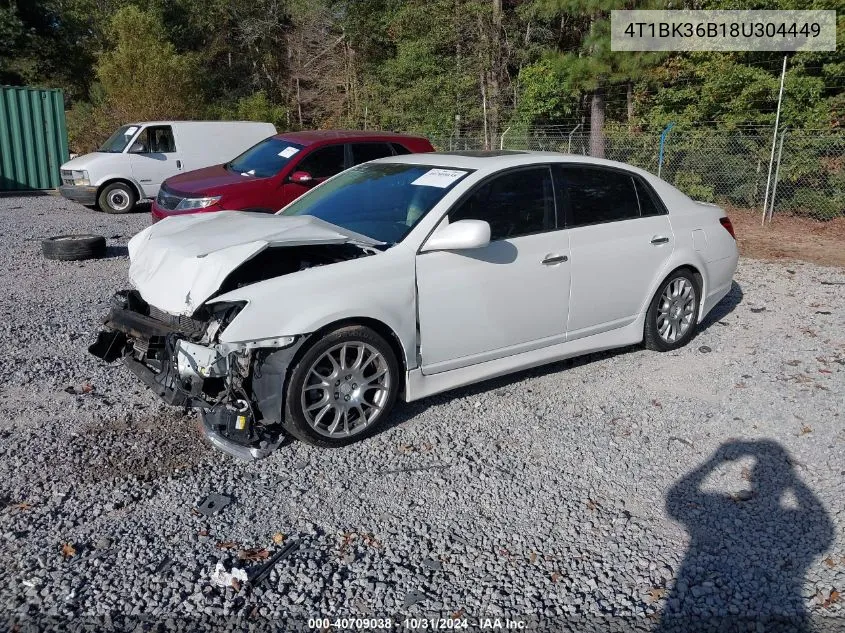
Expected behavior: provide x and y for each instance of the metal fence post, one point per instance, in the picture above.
(777, 173)
(663, 135)
(774, 139)
(569, 145)
(502, 140)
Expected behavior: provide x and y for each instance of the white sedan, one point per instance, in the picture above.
(405, 277)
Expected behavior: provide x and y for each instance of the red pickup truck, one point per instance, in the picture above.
(277, 170)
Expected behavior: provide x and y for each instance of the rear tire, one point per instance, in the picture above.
(118, 197)
(342, 388)
(672, 317)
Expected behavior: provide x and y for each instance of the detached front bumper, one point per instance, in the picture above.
(241, 415)
(82, 195)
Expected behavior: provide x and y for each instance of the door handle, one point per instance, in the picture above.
(659, 239)
(178, 164)
(551, 260)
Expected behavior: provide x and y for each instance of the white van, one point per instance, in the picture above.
(138, 157)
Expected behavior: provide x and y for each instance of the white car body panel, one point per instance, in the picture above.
(458, 317)
(198, 144)
(491, 311)
(179, 263)
(380, 287)
(613, 266)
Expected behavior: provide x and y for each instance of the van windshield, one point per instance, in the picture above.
(383, 201)
(264, 159)
(119, 140)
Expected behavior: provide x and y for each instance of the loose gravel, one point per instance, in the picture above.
(628, 488)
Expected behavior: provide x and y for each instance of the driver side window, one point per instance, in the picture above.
(517, 203)
(155, 140)
(324, 162)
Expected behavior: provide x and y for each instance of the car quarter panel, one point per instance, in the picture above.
(708, 246)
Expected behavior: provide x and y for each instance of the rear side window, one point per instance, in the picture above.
(324, 162)
(516, 203)
(597, 195)
(646, 197)
(363, 152)
(400, 150)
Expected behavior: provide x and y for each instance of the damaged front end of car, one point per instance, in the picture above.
(236, 387)
(174, 329)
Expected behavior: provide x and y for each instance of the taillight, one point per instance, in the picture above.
(726, 222)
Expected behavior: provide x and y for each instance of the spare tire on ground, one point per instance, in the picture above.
(74, 247)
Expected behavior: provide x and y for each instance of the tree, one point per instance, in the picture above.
(585, 62)
(43, 42)
(143, 76)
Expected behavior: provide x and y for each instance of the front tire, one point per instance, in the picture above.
(672, 317)
(342, 388)
(118, 197)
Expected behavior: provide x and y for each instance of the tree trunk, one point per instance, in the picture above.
(484, 110)
(495, 60)
(629, 97)
(298, 104)
(597, 124)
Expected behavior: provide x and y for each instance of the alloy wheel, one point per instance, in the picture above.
(346, 389)
(675, 312)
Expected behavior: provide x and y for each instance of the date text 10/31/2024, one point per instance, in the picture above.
(417, 624)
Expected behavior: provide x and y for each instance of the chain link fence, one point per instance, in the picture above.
(728, 168)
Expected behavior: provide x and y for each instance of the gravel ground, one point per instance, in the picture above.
(629, 488)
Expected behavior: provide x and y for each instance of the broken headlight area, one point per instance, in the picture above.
(180, 359)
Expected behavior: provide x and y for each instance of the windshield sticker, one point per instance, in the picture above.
(131, 131)
(441, 178)
(288, 152)
(251, 172)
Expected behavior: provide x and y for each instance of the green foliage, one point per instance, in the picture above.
(460, 71)
(423, 84)
(255, 107)
(143, 76)
(545, 97)
(815, 204)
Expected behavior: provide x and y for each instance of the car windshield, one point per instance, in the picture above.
(383, 201)
(119, 140)
(265, 159)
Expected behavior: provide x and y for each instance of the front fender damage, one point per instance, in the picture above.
(237, 388)
(251, 427)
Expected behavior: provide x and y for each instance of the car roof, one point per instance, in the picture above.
(488, 163)
(307, 137)
(496, 160)
(179, 122)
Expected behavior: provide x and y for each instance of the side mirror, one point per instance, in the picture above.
(301, 177)
(137, 148)
(458, 236)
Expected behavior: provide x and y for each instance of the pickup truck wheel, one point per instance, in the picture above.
(342, 388)
(117, 197)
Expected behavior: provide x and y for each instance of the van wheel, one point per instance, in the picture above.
(342, 388)
(117, 197)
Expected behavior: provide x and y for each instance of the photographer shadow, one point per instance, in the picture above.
(749, 550)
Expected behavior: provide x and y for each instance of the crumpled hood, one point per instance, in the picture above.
(178, 263)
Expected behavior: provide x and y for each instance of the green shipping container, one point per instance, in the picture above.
(33, 138)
